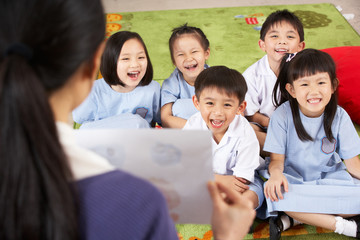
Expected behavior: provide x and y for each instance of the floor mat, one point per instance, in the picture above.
(233, 32)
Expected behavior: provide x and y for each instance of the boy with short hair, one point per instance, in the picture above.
(281, 33)
(219, 97)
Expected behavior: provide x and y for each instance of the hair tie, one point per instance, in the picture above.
(19, 49)
(291, 56)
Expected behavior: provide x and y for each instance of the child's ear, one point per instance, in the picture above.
(196, 102)
(241, 108)
(301, 46)
(335, 85)
(262, 45)
(207, 54)
(290, 90)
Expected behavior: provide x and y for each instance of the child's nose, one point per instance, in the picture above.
(218, 110)
(134, 63)
(313, 88)
(282, 40)
(188, 57)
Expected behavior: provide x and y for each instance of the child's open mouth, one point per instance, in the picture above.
(216, 123)
(191, 67)
(133, 75)
(314, 100)
(281, 50)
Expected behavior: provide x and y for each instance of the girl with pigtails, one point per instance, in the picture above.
(314, 168)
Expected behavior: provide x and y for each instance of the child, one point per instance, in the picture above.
(281, 33)
(189, 49)
(219, 96)
(126, 97)
(314, 168)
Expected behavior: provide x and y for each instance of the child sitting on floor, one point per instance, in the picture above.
(126, 97)
(219, 96)
(189, 49)
(314, 170)
(281, 33)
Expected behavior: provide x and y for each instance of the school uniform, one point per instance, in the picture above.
(103, 102)
(317, 177)
(237, 153)
(260, 80)
(176, 90)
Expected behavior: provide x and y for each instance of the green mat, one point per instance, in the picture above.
(233, 34)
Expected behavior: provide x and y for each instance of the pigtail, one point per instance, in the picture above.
(299, 127)
(279, 94)
(36, 200)
(284, 78)
(329, 115)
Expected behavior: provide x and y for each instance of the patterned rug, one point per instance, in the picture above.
(233, 34)
(260, 231)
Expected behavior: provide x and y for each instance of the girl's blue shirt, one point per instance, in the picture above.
(317, 176)
(311, 159)
(104, 102)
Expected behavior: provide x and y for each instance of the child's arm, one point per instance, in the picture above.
(353, 166)
(167, 118)
(86, 112)
(260, 119)
(277, 179)
(239, 184)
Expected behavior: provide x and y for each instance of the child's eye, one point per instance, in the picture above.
(142, 57)
(291, 37)
(180, 54)
(195, 51)
(304, 85)
(125, 59)
(274, 36)
(227, 105)
(321, 83)
(209, 103)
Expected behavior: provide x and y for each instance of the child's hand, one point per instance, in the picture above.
(243, 180)
(273, 187)
(239, 184)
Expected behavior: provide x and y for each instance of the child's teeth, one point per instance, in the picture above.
(216, 122)
(314, 100)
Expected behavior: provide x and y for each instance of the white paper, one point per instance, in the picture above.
(178, 162)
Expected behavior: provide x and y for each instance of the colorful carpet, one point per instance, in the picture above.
(233, 34)
(260, 231)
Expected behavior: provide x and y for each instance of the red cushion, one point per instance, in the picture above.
(347, 61)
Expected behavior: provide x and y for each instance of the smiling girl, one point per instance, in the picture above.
(189, 50)
(314, 169)
(126, 97)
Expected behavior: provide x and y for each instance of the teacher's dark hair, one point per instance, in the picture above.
(42, 44)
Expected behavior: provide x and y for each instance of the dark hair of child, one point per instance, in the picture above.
(109, 59)
(185, 29)
(306, 63)
(38, 55)
(226, 80)
(282, 16)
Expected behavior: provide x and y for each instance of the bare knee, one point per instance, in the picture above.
(253, 197)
